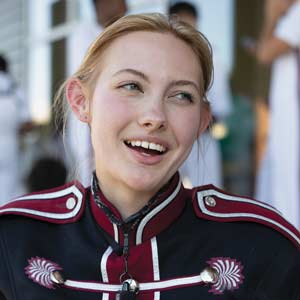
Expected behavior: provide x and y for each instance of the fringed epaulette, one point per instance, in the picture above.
(64, 204)
(214, 204)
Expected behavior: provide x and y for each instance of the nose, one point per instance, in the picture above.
(153, 117)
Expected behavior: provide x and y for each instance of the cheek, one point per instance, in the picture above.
(187, 128)
(109, 114)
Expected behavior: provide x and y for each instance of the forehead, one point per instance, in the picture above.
(151, 52)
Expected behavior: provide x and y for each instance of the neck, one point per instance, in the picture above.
(126, 205)
(124, 199)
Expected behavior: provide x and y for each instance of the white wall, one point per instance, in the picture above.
(12, 35)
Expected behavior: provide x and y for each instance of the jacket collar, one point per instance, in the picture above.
(156, 216)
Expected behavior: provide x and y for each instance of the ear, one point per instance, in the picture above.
(78, 100)
(206, 118)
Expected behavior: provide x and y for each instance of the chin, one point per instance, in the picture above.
(150, 181)
(145, 182)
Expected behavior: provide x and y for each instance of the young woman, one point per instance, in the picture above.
(136, 233)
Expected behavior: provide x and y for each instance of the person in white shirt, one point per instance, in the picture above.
(278, 178)
(14, 118)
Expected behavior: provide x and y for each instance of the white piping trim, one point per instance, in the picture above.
(105, 296)
(156, 296)
(170, 283)
(155, 262)
(51, 195)
(154, 212)
(97, 287)
(116, 232)
(236, 198)
(61, 216)
(104, 262)
(104, 274)
(146, 286)
(202, 194)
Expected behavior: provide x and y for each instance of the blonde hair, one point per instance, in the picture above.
(155, 22)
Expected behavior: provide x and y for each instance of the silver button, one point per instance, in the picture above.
(209, 275)
(130, 285)
(70, 204)
(56, 277)
(210, 201)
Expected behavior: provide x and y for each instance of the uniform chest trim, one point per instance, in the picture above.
(223, 273)
(23, 206)
(91, 286)
(143, 287)
(201, 195)
(154, 212)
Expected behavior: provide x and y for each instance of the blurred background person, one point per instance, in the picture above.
(204, 164)
(78, 140)
(278, 178)
(46, 173)
(14, 121)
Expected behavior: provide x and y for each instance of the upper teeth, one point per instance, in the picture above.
(147, 145)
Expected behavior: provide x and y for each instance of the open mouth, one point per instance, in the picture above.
(146, 147)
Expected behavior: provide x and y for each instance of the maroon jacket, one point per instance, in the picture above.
(203, 244)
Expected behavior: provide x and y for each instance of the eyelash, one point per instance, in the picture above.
(134, 86)
(131, 84)
(185, 96)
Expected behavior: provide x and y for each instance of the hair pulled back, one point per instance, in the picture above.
(154, 22)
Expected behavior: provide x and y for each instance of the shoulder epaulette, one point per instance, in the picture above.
(64, 204)
(214, 204)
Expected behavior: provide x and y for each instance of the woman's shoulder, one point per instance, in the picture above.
(214, 204)
(60, 205)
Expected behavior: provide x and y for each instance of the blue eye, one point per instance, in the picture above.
(131, 86)
(184, 96)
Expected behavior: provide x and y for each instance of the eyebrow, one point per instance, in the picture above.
(183, 83)
(134, 72)
(144, 76)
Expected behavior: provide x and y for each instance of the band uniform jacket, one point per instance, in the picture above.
(70, 243)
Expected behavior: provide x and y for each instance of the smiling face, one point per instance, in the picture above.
(146, 112)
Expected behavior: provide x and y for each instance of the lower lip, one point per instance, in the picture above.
(144, 158)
